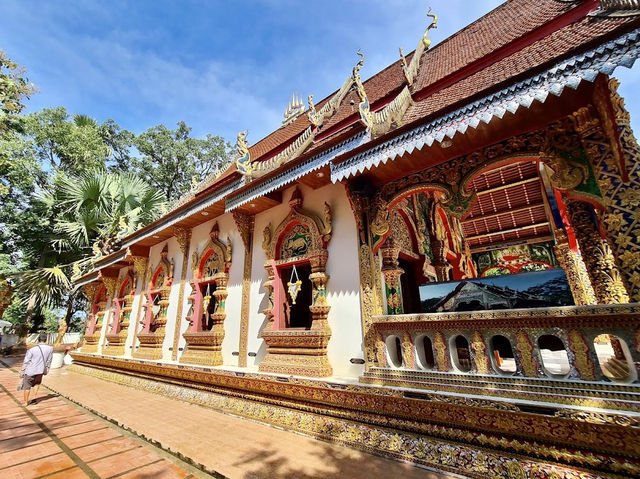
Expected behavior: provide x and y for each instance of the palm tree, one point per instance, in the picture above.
(101, 207)
(92, 211)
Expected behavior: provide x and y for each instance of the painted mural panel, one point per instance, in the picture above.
(515, 259)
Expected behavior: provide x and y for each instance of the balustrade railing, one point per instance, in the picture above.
(590, 347)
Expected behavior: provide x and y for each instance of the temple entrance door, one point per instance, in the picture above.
(409, 284)
(297, 315)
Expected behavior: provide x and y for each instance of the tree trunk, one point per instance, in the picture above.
(32, 299)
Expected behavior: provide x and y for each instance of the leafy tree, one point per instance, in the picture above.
(14, 88)
(70, 144)
(93, 211)
(101, 207)
(170, 159)
(120, 145)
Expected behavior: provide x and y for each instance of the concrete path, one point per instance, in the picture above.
(230, 446)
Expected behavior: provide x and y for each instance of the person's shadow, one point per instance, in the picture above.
(38, 400)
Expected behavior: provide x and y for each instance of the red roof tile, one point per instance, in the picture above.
(559, 44)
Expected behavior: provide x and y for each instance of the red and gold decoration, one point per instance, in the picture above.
(118, 329)
(209, 293)
(152, 333)
(96, 294)
(300, 240)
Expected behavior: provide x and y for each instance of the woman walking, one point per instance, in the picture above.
(36, 364)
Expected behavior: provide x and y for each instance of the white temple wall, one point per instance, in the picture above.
(233, 307)
(258, 298)
(343, 287)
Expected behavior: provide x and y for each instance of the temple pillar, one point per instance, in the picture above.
(110, 283)
(90, 343)
(392, 272)
(598, 256)
(183, 236)
(573, 265)
(614, 156)
(370, 287)
(245, 223)
(440, 263)
(140, 277)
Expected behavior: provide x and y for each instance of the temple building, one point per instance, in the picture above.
(440, 264)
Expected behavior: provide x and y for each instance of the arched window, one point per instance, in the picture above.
(553, 353)
(460, 353)
(394, 351)
(503, 356)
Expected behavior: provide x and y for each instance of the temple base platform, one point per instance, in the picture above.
(474, 435)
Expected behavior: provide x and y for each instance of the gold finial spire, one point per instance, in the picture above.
(294, 109)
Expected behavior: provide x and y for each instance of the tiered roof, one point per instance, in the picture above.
(505, 48)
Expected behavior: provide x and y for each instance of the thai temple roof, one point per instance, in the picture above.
(520, 52)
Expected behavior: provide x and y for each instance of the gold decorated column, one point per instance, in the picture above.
(615, 158)
(110, 284)
(140, 275)
(244, 223)
(576, 271)
(598, 257)
(392, 272)
(183, 236)
(370, 282)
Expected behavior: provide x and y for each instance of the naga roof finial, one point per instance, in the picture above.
(356, 69)
(434, 24)
(411, 70)
(243, 157)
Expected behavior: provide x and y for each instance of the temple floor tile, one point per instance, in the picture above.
(215, 442)
(55, 439)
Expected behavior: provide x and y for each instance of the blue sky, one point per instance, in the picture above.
(220, 66)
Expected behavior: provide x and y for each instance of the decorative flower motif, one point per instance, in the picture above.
(630, 259)
(624, 240)
(615, 221)
(630, 198)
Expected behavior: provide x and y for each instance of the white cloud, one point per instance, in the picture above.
(222, 73)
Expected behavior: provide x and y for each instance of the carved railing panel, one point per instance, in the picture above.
(587, 354)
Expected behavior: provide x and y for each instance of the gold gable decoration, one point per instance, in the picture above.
(411, 70)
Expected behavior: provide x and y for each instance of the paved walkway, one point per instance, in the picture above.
(231, 446)
(57, 440)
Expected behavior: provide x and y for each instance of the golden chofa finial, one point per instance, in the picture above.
(411, 70)
(434, 24)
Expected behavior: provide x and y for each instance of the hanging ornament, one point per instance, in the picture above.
(207, 298)
(294, 287)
